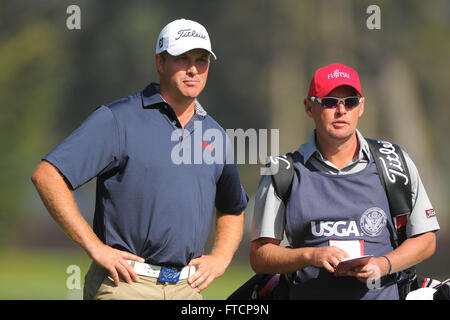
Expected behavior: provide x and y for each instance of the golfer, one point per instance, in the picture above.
(153, 215)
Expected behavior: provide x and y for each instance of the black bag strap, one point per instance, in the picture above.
(395, 178)
(258, 287)
(282, 171)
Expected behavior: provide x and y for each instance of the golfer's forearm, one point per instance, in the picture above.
(229, 231)
(272, 258)
(412, 251)
(60, 203)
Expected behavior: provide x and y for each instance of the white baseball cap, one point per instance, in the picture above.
(183, 35)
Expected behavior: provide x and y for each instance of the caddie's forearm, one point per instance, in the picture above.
(229, 230)
(60, 203)
(267, 256)
(412, 251)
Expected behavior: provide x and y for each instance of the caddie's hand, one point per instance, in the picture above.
(327, 257)
(209, 267)
(115, 262)
(375, 268)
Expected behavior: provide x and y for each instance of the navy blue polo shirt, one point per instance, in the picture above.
(147, 201)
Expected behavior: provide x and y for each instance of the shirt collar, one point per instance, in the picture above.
(364, 151)
(310, 148)
(199, 109)
(151, 97)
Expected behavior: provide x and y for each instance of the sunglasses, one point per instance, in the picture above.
(332, 102)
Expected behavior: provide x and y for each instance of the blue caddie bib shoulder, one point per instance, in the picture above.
(324, 207)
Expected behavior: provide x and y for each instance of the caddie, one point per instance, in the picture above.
(153, 215)
(337, 207)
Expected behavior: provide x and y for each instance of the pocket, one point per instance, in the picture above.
(183, 291)
(93, 280)
(106, 289)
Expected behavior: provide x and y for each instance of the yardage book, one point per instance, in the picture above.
(351, 263)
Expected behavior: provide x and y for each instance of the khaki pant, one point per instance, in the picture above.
(98, 285)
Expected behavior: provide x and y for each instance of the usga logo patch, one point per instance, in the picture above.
(430, 213)
(373, 221)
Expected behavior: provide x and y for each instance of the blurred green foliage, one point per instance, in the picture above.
(30, 94)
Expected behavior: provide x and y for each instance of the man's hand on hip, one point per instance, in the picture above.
(115, 262)
(209, 267)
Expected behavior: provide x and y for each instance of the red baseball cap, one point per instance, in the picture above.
(327, 78)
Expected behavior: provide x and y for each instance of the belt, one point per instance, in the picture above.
(150, 270)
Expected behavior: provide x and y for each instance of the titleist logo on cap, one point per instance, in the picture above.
(337, 74)
(189, 33)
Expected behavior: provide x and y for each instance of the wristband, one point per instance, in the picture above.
(389, 263)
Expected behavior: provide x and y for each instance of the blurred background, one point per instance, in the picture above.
(51, 78)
